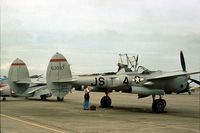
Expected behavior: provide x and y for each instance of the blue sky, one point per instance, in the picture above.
(91, 33)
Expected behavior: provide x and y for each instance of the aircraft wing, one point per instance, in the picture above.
(26, 81)
(35, 88)
(172, 74)
(42, 91)
(65, 80)
(37, 91)
(32, 83)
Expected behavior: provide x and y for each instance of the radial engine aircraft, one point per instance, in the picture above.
(139, 81)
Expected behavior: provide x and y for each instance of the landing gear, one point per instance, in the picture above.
(106, 101)
(158, 105)
(4, 99)
(43, 97)
(60, 98)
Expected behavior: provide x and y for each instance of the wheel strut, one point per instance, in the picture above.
(158, 105)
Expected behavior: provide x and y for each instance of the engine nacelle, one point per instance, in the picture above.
(177, 84)
(146, 91)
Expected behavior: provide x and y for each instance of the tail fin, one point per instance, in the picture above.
(59, 75)
(18, 77)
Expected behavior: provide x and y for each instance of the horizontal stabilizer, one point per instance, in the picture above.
(25, 81)
(64, 81)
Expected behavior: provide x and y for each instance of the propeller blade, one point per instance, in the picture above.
(195, 81)
(136, 59)
(182, 61)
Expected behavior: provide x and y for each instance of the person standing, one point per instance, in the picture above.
(86, 103)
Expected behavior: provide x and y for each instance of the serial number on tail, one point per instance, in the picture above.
(58, 67)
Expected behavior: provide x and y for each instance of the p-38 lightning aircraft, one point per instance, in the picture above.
(23, 85)
(141, 81)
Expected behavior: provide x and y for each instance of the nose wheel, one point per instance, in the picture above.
(158, 105)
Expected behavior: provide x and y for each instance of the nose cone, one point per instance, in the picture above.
(58, 58)
(18, 62)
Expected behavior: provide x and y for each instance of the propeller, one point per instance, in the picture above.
(182, 61)
(195, 81)
(183, 65)
(136, 62)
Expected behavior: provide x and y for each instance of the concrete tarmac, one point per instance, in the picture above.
(129, 114)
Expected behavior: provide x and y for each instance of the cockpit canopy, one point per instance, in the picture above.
(143, 70)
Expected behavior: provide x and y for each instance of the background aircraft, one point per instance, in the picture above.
(31, 86)
(4, 88)
(141, 81)
(22, 85)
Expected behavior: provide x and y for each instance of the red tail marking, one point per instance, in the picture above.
(58, 60)
(18, 64)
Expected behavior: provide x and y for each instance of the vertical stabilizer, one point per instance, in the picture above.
(18, 72)
(58, 75)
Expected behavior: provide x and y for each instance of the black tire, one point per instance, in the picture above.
(106, 102)
(43, 97)
(164, 102)
(158, 105)
(4, 99)
(60, 98)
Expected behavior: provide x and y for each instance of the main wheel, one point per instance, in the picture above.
(158, 105)
(4, 99)
(164, 102)
(43, 97)
(106, 101)
(60, 98)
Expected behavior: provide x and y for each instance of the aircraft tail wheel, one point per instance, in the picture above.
(158, 105)
(43, 97)
(60, 98)
(106, 101)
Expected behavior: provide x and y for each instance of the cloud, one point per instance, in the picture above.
(92, 33)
